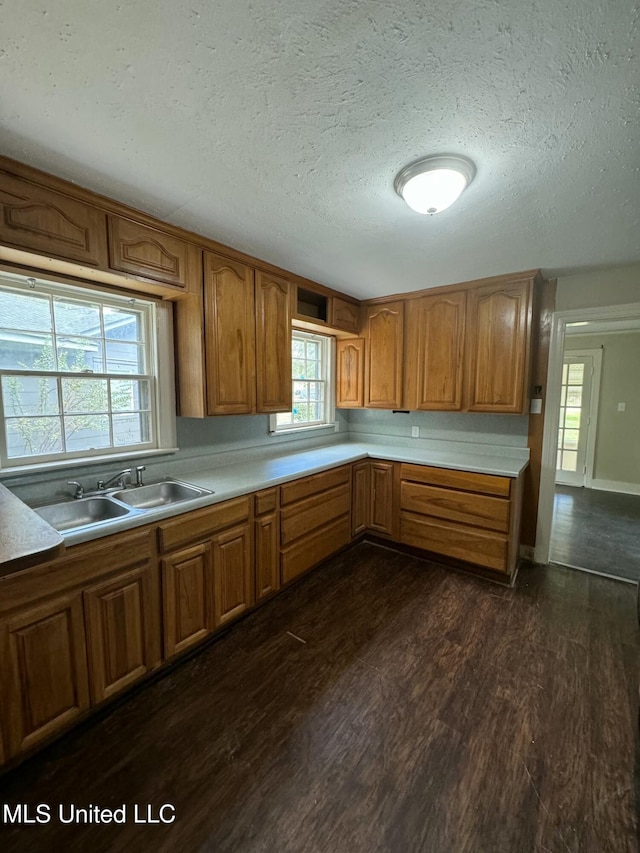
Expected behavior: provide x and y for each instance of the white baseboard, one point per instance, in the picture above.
(615, 486)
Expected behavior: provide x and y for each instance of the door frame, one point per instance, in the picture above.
(552, 410)
(592, 431)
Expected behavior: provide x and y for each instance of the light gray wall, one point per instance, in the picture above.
(617, 450)
(599, 288)
(509, 430)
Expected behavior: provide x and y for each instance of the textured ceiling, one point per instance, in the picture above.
(278, 127)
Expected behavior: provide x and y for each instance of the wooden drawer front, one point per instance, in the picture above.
(46, 222)
(314, 548)
(266, 501)
(307, 486)
(202, 522)
(485, 484)
(316, 511)
(464, 507)
(451, 540)
(119, 620)
(44, 654)
(140, 250)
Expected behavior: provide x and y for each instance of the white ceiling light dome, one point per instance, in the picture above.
(432, 184)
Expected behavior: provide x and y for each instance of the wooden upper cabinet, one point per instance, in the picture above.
(435, 351)
(44, 670)
(120, 621)
(143, 251)
(384, 355)
(350, 373)
(229, 335)
(344, 315)
(498, 347)
(49, 223)
(273, 343)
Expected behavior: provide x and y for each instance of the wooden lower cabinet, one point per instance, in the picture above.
(360, 500)
(122, 630)
(314, 548)
(266, 544)
(233, 574)
(463, 515)
(381, 507)
(187, 597)
(45, 682)
(315, 520)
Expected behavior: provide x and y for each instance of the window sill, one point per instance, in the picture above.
(84, 462)
(294, 430)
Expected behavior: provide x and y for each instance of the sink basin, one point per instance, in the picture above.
(159, 494)
(81, 513)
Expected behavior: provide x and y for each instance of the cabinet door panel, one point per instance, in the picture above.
(344, 315)
(46, 222)
(233, 574)
(384, 356)
(140, 250)
(273, 343)
(381, 507)
(187, 579)
(120, 620)
(498, 347)
(435, 344)
(360, 496)
(350, 373)
(44, 655)
(230, 336)
(267, 555)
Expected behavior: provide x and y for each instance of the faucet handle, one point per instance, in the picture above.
(79, 493)
(139, 470)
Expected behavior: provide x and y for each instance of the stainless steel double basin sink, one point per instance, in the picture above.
(75, 515)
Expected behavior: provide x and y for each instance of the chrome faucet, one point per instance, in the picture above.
(79, 493)
(139, 470)
(118, 479)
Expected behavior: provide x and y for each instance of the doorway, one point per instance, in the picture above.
(578, 421)
(589, 512)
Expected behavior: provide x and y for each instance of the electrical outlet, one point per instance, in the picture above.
(622, 407)
(415, 432)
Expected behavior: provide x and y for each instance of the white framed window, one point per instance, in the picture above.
(313, 392)
(83, 374)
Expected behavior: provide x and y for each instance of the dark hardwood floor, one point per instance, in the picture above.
(597, 530)
(382, 704)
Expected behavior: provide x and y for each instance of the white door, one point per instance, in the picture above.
(577, 419)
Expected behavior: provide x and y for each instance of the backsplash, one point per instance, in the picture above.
(224, 439)
(502, 430)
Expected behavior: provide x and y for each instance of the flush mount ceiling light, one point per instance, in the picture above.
(432, 184)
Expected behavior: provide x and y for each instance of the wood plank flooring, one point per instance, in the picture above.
(382, 704)
(597, 530)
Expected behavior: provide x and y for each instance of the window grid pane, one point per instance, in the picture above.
(309, 356)
(51, 348)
